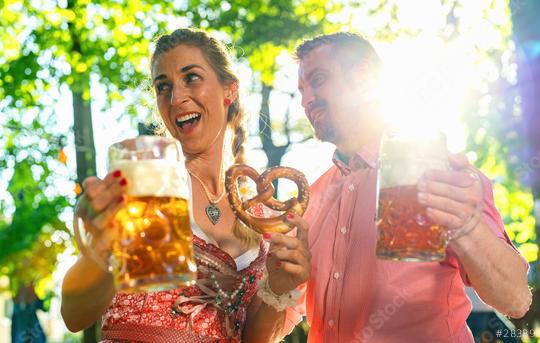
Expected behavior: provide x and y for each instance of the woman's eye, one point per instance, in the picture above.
(192, 77)
(160, 87)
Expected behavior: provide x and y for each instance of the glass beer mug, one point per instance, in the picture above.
(404, 230)
(151, 247)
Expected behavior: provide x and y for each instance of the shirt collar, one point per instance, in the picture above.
(365, 158)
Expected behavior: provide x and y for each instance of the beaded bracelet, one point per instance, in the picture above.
(278, 302)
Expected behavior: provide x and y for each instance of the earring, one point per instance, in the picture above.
(227, 102)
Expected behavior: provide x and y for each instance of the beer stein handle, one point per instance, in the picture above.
(83, 246)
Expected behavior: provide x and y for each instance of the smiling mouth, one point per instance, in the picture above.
(188, 119)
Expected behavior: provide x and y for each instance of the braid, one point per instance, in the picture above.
(235, 118)
(239, 132)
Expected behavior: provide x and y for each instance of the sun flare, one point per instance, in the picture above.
(426, 83)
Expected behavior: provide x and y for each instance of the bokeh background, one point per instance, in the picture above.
(74, 80)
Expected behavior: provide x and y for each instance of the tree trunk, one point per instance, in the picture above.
(84, 138)
(83, 130)
(86, 162)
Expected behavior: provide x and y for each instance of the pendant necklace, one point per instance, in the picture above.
(212, 211)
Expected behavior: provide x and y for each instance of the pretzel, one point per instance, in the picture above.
(265, 195)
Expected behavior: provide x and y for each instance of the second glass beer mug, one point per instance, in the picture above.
(404, 231)
(152, 241)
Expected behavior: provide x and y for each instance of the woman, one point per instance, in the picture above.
(197, 99)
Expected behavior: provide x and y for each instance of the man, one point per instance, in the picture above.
(352, 296)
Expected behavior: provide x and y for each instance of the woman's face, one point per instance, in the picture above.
(190, 98)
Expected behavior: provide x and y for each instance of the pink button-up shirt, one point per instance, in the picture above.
(352, 296)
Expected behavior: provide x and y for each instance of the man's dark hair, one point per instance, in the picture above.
(351, 48)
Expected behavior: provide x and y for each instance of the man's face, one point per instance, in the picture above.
(332, 96)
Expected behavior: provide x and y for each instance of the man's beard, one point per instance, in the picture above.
(324, 129)
(326, 133)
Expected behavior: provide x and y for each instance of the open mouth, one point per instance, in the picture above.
(188, 120)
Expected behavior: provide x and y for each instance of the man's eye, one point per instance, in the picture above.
(317, 80)
(192, 77)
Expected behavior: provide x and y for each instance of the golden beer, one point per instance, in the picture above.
(153, 248)
(405, 231)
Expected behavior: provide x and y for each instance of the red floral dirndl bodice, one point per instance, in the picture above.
(197, 313)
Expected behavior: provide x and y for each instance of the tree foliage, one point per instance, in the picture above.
(32, 233)
(262, 30)
(47, 44)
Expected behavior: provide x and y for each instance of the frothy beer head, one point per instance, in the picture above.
(154, 177)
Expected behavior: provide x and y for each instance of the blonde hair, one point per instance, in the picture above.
(218, 58)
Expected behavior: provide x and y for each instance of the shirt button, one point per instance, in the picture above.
(330, 323)
(343, 230)
(351, 187)
(336, 275)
